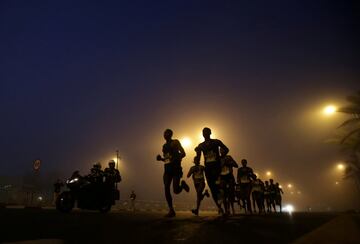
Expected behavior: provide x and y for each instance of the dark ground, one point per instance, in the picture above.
(141, 227)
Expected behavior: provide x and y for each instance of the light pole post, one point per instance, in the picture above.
(117, 164)
(117, 159)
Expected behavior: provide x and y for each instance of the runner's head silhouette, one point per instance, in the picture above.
(97, 165)
(196, 162)
(206, 133)
(112, 164)
(168, 134)
(271, 181)
(244, 162)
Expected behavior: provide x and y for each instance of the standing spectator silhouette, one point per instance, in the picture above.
(132, 200)
(57, 189)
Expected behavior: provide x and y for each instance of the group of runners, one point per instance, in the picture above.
(217, 172)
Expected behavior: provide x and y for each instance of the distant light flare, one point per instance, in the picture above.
(329, 110)
(340, 166)
(289, 208)
(268, 173)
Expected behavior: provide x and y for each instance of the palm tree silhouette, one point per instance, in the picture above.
(349, 138)
(352, 125)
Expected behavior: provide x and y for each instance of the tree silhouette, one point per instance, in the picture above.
(349, 137)
(352, 125)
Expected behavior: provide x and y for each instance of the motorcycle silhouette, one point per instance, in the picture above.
(86, 195)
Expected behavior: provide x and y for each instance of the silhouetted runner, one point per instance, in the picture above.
(227, 181)
(258, 194)
(278, 198)
(197, 172)
(244, 176)
(210, 148)
(267, 196)
(272, 190)
(173, 153)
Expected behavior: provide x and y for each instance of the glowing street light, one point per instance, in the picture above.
(289, 185)
(337, 183)
(186, 142)
(268, 173)
(329, 110)
(340, 166)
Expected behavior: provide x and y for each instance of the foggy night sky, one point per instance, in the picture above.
(80, 80)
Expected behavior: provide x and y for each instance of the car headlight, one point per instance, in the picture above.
(73, 180)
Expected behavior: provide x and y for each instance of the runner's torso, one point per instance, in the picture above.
(171, 153)
(244, 174)
(198, 173)
(210, 148)
(226, 165)
(272, 189)
(257, 185)
(266, 190)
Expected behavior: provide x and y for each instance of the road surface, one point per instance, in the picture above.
(141, 227)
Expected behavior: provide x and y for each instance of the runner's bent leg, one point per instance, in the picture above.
(199, 192)
(176, 184)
